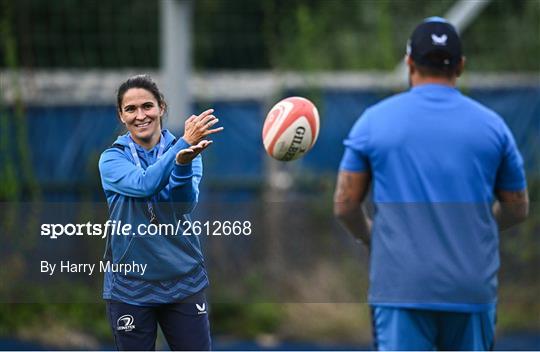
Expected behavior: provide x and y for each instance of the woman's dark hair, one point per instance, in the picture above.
(140, 81)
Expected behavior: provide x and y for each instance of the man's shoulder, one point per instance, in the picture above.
(479, 108)
(480, 115)
(388, 108)
(404, 101)
(392, 102)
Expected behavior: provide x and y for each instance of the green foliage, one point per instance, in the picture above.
(86, 313)
(518, 308)
(364, 35)
(505, 37)
(248, 317)
(9, 187)
(246, 320)
(284, 34)
(86, 33)
(13, 126)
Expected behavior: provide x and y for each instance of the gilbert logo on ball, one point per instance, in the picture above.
(291, 128)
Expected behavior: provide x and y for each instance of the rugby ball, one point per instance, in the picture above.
(291, 128)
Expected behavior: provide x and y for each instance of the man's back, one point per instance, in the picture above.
(432, 144)
(435, 158)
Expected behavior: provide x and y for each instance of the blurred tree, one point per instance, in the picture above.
(246, 34)
(17, 177)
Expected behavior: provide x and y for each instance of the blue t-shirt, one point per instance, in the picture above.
(436, 158)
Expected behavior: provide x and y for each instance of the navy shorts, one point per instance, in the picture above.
(185, 325)
(418, 329)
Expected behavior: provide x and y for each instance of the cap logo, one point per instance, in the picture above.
(439, 41)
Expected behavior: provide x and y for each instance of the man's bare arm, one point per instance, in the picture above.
(511, 208)
(351, 189)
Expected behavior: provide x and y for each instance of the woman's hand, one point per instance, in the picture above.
(198, 127)
(185, 156)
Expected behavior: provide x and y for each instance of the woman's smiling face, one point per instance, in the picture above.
(141, 114)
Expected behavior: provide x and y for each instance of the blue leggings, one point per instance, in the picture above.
(185, 325)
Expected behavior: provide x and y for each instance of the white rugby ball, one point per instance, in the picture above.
(291, 128)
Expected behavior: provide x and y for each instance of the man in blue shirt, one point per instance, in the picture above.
(447, 176)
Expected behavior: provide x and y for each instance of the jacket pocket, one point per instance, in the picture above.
(165, 257)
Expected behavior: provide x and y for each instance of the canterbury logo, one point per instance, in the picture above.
(439, 40)
(201, 308)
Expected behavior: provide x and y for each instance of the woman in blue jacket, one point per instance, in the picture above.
(150, 177)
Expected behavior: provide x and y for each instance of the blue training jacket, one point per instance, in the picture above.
(173, 192)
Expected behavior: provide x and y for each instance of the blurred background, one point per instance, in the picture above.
(299, 282)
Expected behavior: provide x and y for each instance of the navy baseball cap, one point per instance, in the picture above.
(435, 43)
